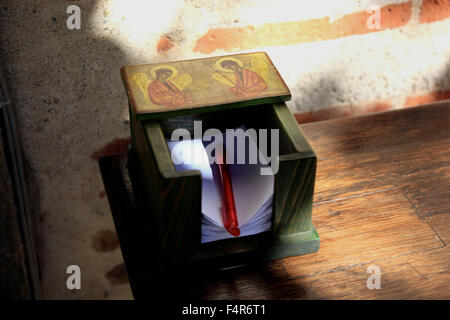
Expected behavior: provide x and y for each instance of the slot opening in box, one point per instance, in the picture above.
(248, 171)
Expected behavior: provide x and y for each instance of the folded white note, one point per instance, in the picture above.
(253, 192)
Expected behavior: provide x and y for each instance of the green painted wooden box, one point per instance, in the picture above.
(170, 200)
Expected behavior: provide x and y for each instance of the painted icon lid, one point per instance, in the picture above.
(201, 85)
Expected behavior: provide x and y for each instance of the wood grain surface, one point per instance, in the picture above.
(382, 198)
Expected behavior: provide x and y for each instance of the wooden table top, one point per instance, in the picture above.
(382, 198)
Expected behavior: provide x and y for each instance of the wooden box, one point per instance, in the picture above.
(170, 201)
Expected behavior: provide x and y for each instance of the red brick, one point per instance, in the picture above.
(286, 33)
(371, 107)
(164, 44)
(434, 10)
(342, 111)
(324, 114)
(427, 98)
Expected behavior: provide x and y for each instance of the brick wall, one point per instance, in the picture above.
(334, 56)
(334, 62)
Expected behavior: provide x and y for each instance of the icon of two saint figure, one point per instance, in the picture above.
(168, 88)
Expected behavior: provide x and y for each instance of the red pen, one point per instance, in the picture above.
(230, 216)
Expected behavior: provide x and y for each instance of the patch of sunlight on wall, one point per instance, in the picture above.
(134, 24)
(268, 11)
(138, 24)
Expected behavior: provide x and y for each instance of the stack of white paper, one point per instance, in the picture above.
(253, 192)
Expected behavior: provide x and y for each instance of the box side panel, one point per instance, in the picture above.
(146, 186)
(292, 130)
(294, 188)
(180, 200)
(171, 206)
(146, 163)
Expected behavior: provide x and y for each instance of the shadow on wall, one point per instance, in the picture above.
(69, 102)
(324, 93)
(440, 90)
(68, 81)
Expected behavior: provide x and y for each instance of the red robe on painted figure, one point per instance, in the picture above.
(167, 94)
(251, 84)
